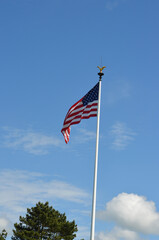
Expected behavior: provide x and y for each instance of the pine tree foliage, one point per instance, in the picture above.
(3, 235)
(44, 222)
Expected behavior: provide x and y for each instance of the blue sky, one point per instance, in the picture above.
(49, 53)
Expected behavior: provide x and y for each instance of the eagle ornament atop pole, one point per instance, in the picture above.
(96, 159)
(101, 69)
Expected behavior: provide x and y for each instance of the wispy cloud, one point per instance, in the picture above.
(111, 4)
(84, 232)
(84, 135)
(122, 136)
(5, 223)
(132, 214)
(21, 189)
(117, 234)
(29, 141)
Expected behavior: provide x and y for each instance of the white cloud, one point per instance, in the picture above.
(118, 234)
(121, 135)
(133, 213)
(83, 232)
(84, 136)
(29, 141)
(111, 4)
(21, 189)
(5, 224)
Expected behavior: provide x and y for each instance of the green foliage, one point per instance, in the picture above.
(44, 222)
(3, 235)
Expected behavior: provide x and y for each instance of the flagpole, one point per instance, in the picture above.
(96, 160)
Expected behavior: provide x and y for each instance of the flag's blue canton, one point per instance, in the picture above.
(92, 95)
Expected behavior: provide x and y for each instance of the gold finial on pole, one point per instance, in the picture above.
(101, 68)
(101, 73)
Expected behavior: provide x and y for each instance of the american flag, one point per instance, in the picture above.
(85, 108)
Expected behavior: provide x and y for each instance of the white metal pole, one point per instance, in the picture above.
(96, 166)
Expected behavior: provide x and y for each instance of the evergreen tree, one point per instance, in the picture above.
(44, 222)
(3, 235)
